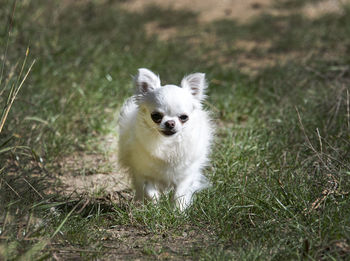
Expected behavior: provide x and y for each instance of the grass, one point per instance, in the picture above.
(280, 165)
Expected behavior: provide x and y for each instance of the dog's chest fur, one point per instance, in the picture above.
(161, 160)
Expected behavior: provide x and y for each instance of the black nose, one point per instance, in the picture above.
(170, 124)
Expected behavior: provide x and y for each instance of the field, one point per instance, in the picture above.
(279, 77)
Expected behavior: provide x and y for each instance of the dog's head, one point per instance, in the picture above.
(169, 109)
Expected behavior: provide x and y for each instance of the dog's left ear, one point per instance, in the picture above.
(196, 84)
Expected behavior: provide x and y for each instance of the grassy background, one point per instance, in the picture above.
(282, 142)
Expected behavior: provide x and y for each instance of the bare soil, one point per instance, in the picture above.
(86, 174)
(241, 11)
(131, 243)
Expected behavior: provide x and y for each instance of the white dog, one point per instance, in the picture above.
(165, 137)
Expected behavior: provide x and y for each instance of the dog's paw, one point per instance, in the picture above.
(153, 196)
(183, 202)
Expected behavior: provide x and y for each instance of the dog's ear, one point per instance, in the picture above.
(196, 84)
(146, 81)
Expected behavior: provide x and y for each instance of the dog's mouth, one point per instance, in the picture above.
(168, 132)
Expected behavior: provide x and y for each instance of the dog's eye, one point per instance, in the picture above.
(183, 118)
(156, 117)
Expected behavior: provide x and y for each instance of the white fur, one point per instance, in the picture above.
(159, 163)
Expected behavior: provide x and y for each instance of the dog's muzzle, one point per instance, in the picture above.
(169, 128)
(168, 132)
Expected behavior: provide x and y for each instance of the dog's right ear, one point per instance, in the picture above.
(146, 81)
(196, 84)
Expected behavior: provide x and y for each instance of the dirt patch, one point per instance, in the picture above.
(207, 10)
(315, 10)
(166, 32)
(128, 242)
(92, 174)
(240, 11)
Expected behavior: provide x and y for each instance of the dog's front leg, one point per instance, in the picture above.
(151, 192)
(139, 186)
(183, 194)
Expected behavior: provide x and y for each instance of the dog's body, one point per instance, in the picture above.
(165, 137)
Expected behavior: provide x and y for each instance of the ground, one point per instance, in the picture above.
(208, 11)
(278, 73)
